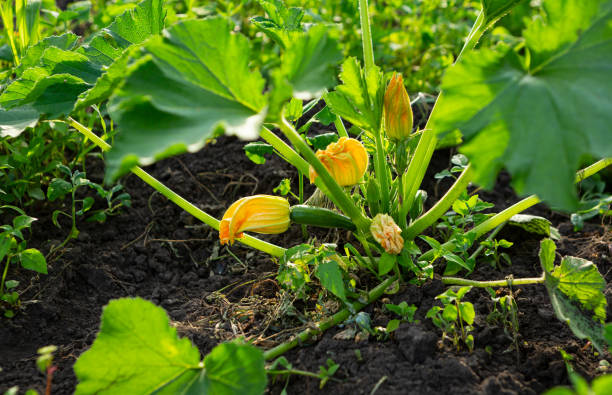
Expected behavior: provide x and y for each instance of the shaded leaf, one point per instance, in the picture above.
(309, 62)
(13, 122)
(531, 223)
(330, 276)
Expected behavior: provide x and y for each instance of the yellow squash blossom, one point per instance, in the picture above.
(260, 213)
(346, 160)
(387, 233)
(398, 113)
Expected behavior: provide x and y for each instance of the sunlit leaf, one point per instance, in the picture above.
(537, 118)
(359, 98)
(192, 81)
(576, 289)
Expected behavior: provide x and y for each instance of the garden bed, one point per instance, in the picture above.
(157, 252)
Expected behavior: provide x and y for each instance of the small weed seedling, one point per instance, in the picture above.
(494, 256)
(12, 250)
(505, 313)
(59, 188)
(325, 372)
(455, 318)
(405, 312)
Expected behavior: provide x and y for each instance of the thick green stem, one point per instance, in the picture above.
(324, 325)
(340, 127)
(428, 141)
(380, 163)
(503, 216)
(293, 158)
(594, 168)
(438, 210)
(284, 150)
(336, 193)
(366, 35)
(209, 220)
(496, 283)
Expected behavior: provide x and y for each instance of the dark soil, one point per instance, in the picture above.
(159, 253)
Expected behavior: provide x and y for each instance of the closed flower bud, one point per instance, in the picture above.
(260, 213)
(387, 234)
(398, 113)
(346, 160)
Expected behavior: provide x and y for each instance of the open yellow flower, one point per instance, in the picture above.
(398, 113)
(346, 160)
(387, 233)
(260, 213)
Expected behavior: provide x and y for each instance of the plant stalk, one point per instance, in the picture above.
(494, 283)
(438, 210)
(366, 35)
(285, 151)
(340, 127)
(380, 162)
(324, 325)
(336, 193)
(428, 141)
(209, 220)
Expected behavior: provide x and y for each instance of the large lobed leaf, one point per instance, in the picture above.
(537, 115)
(192, 81)
(138, 352)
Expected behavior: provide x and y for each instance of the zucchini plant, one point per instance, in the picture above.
(535, 107)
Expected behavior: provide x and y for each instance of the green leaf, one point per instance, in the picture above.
(359, 99)
(467, 312)
(450, 313)
(55, 95)
(32, 259)
(309, 62)
(233, 369)
(386, 263)
(531, 223)
(547, 254)
(75, 71)
(330, 276)
(257, 150)
(132, 27)
(495, 9)
(66, 41)
(321, 141)
(15, 93)
(575, 289)
(13, 122)
(23, 221)
(536, 118)
(392, 325)
(281, 23)
(192, 81)
(136, 352)
(106, 84)
(58, 188)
